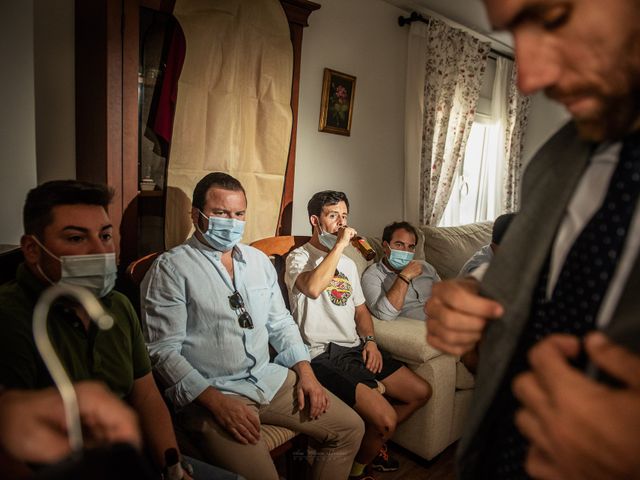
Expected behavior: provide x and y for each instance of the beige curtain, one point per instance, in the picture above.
(233, 110)
(455, 65)
(517, 120)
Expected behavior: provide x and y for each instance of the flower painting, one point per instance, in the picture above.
(338, 90)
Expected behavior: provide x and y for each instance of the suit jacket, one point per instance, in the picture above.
(548, 185)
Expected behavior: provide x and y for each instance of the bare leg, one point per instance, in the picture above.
(380, 422)
(407, 391)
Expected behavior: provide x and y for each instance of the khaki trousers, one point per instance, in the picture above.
(338, 433)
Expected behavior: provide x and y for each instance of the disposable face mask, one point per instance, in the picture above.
(223, 233)
(399, 259)
(327, 239)
(96, 272)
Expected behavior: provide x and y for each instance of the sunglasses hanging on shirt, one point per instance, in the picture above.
(237, 303)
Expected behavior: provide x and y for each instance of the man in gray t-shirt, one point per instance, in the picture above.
(398, 285)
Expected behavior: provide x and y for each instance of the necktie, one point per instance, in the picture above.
(575, 301)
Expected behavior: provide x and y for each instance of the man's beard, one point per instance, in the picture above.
(617, 117)
(618, 113)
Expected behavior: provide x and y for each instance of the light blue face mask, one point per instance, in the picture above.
(399, 259)
(96, 272)
(223, 233)
(327, 239)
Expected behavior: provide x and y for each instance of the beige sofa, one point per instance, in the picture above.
(439, 423)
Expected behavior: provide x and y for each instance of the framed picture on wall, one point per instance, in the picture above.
(336, 108)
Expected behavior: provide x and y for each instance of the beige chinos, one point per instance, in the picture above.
(338, 433)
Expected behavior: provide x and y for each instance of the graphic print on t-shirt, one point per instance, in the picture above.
(339, 289)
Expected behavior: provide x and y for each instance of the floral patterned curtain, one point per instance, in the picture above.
(455, 65)
(517, 119)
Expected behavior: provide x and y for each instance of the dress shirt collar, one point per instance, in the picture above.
(385, 267)
(606, 152)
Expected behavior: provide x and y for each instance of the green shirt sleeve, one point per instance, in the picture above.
(19, 361)
(139, 353)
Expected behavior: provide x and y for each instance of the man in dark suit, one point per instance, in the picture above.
(555, 399)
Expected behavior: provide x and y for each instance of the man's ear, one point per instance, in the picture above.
(30, 249)
(386, 247)
(195, 216)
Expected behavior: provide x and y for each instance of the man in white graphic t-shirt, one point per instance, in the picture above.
(329, 306)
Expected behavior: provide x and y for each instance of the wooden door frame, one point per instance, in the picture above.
(297, 12)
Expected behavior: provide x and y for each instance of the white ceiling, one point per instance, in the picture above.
(467, 13)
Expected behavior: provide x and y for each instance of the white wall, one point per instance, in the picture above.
(545, 118)
(470, 13)
(17, 122)
(361, 38)
(37, 128)
(54, 89)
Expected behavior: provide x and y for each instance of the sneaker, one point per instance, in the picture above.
(383, 462)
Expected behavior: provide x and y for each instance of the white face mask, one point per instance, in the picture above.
(96, 272)
(328, 240)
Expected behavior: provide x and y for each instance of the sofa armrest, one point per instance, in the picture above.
(405, 339)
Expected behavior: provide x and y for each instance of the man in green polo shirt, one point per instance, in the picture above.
(68, 240)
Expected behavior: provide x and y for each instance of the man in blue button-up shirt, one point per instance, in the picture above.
(210, 308)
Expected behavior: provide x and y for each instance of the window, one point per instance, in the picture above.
(477, 190)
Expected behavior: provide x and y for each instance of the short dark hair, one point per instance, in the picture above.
(500, 226)
(36, 214)
(389, 230)
(218, 180)
(324, 198)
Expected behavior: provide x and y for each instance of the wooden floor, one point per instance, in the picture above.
(413, 467)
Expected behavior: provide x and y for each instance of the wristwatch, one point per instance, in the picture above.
(368, 338)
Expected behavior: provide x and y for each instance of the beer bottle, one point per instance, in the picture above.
(363, 247)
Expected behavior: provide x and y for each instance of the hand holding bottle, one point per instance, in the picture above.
(345, 234)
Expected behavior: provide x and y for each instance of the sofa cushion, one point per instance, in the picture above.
(464, 378)
(448, 248)
(405, 339)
